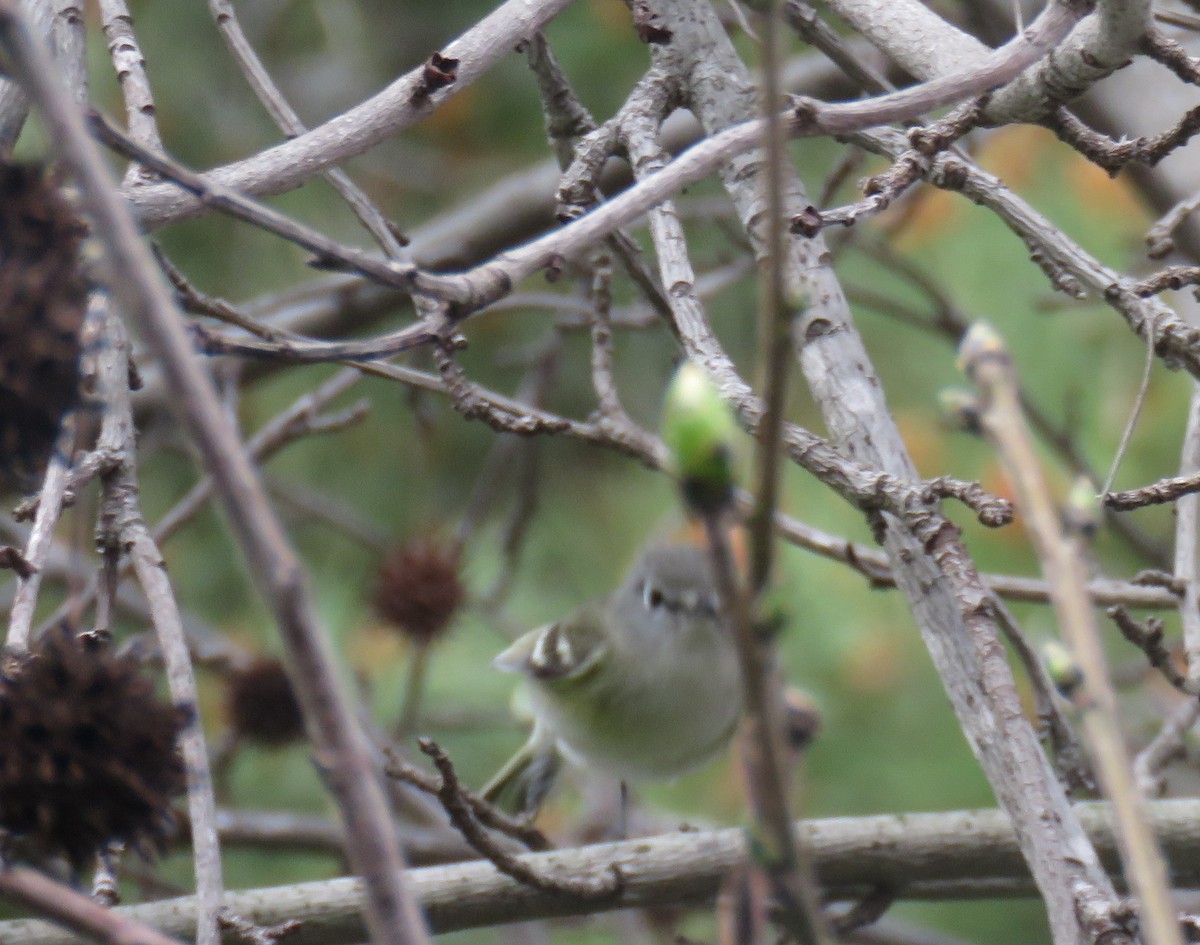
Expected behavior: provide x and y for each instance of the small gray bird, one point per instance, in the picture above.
(641, 684)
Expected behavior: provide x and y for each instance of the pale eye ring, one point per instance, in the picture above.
(652, 597)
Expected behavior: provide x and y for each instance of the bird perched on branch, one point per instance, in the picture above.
(641, 684)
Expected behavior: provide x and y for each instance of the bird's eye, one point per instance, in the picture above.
(652, 597)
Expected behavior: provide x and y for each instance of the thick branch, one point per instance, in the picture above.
(919, 855)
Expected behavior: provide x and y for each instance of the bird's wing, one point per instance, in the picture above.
(563, 650)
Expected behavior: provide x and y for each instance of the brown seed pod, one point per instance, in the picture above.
(43, 298)
(419, 589)
(87, 750)
(262, 704)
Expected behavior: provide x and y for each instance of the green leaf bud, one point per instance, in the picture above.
(1062, 667)
(699, 429)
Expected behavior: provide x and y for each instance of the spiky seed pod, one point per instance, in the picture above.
(87, 750)
(419, 589)
(43, 298)
(262, 704)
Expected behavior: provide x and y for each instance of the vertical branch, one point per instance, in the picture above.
(785, 861)
(341, 748)
(414, 690)
(774, 325)
(1168, 743)
(697, 428)
(775, 846)
(1187, 542)
(130, 66)
(122, 528)
(602, 341)
(987, 362)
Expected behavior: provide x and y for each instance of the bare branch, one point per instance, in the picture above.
(988, 364)
(130, 67)
(289, 123)
(922, 855)
(290, 164)
(1158, 493)
(1187, 542)
(1148, 637)
(37, 550)
(467, 813)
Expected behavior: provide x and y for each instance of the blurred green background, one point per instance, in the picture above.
(890, 742)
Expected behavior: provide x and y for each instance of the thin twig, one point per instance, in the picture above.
(289, 123)
(335, 513)
(774, 320)
(414, 689)
(130, 66)
(1069, 757)
(1115, 155)
(988, 364)
(778, 850)
(1139, 402)
(462, 813)
(1148, 637)
(37, 549)
(487, 814)
(1165, 747)
(602, 343)
(1159, 239)
(867, 911)
(783, 860)
(804, 19)
(1187, 541)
